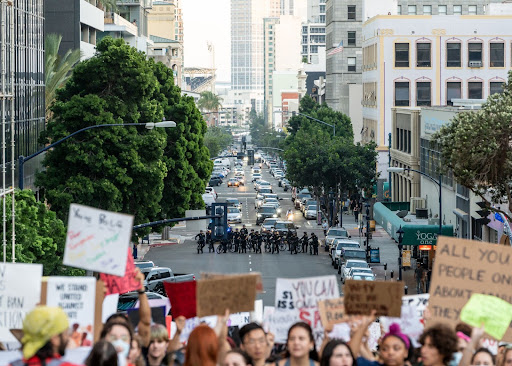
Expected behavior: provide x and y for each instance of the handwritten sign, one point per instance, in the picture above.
(212, 276)
(332, 312)
(463, 267)
(361, 297)
(20, 292)
(76, 296)
(493, 312)
(236, 293)
(121, 285)
(296, 299)
(97, 240)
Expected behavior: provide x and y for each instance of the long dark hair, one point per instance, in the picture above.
(102, 354)
(313, 354)
(329, 349)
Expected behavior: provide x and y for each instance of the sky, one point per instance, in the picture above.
(207, 21)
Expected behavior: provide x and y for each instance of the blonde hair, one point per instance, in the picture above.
(159, 332)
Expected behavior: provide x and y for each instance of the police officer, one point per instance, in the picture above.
(288, 238)
(244, 231)
(209, 241)
(230, 235)
(305, 241)
(200, 241)
(243, 241)
(224, 244)
(236, 239)
(314, 243)
(252, 240)
(275, 242)
(259, 241)
(294, 243)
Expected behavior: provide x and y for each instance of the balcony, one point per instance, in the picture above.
(146, 4)
(116, 23)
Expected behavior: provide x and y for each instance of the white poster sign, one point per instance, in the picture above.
(296, 300)
(76, 296)
(20, 291)
(97, 240)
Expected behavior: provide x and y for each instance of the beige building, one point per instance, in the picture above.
(161, 19)
(170, 53)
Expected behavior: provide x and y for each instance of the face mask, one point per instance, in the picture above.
(125, 348)
(455, 359)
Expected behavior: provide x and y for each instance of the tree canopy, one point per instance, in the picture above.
(216, 139)
(476, 147)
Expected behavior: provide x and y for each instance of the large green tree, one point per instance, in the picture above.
(40, 235)
(476, 147)
(216, 139)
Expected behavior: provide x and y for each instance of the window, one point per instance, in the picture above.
(497, 54)
(401, 54)
(304, 39)
(423, 94)
(475, 90)
(313, 49)
(496, 87)
(304, 49)
(322, 18)
(457, 10)
(305, 30)
(475, 52)
(322, 9)
(441, 9)
(427, 9)
(423, 55)
(351, 61)
(453, 55)
(472, 9)
(411, 10)
(453, 91)
(402, 94)
(399, 10)
(351, 38)
(351, 12)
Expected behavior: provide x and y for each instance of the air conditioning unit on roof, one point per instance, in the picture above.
(417, 202)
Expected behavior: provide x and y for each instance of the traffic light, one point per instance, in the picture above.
(483, 213)
(220, 224)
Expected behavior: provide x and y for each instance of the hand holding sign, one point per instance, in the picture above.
(493, 312)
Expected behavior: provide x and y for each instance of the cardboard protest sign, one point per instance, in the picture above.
(463, 267)
(77, 297)
(97, 239)
(182, 296)
(212, 276)
(17, 299)
(236, 293)
(361, 297)
(332, 311)
(121, 285)
(296, 299)
(493, 312)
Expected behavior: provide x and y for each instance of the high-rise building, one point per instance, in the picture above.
(178, 21)
(22, 88)
(161, 20)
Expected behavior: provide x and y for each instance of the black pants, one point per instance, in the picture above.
(243, 247)
(275, 247)
(211, 248)
(315, 249)
(294, 249)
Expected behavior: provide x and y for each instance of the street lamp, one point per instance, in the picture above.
(400, 233)
(367, 205)
(22, 159)
(317, 120)
(438, 182)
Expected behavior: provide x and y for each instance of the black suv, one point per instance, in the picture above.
(282, 227)
(215, 181)
(265, 212)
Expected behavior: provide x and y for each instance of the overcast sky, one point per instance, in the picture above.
(207, 21)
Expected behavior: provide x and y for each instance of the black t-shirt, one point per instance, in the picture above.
(171, 359)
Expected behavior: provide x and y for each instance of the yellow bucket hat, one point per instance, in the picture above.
(40, 325)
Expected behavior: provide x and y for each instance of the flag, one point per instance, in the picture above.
(337, 49)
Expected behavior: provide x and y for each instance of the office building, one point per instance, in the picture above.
(161, 20)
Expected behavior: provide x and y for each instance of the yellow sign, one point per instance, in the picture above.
(406, 258)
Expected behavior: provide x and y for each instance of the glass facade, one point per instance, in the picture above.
(429, 161)
(29, 103)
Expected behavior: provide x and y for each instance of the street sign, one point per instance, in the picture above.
(375, 255)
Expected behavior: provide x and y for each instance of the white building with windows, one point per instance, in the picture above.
(425, 60)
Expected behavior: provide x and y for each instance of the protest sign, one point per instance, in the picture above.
(182, 296)
(236, 293)
(96, 239)
(212, 276)
(257, 314)
(411, 320)
(296, 299)
(109, 306)
(361, 297)
(157, 315)
(268, 312)
(77, 297)
(121, 285)
(15, 299)
(463, 267)
(332, 311)
(493, 312)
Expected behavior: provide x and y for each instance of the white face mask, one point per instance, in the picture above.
(455, 359)
(123, 354)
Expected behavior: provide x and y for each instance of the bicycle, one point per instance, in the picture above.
(268, 246)
(200, 246)
(282, 244)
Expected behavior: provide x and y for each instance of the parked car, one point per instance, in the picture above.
(234, 215)
(155, 276)
(341, 245)
(358, 271)
(144, 264)
(310, 213)
(352, 263)
(268, 224)
(233, 182)
(299, 198)
(362, 276)
(208, 200)
(265, 212)
(234, 202)
(335, 232)
(215, 181)
(211, 191)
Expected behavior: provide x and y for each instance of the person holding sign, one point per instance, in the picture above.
(300, 347)
(45, 337)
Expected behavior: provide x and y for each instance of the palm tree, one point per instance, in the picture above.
(210, 102)
(57, 69)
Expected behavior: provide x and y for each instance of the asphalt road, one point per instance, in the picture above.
(183, 258)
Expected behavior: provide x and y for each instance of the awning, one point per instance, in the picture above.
(461, 214)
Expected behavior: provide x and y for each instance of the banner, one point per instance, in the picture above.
(296, 300)
(96, 239)
(77, 297)
(121, 285)
(20, 292)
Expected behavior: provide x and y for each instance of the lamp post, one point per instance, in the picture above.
(367, 205)
(438, 182)
(22, 159)
(400, 233)
(317, 120)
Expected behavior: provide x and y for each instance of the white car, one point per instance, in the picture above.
(352, 263)
(256, 177)
(211, 191)
(241, 179)
(356, 271)
(234, 215)
(363, 276)
(310, 212)
(338, 246)
(273, 201)
(263, 184)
